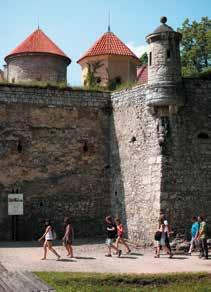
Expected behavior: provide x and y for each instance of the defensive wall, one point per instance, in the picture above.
(87, 154)
(54, 149)
(173, 178)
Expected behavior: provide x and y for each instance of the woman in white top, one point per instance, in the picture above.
(48, 243)
(163, 242)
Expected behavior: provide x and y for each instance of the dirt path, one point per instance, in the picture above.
(91, 258)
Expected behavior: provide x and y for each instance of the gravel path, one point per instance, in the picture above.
(25, 256)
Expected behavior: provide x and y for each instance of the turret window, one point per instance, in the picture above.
(150, 58)
(168, 53)
(118, 80)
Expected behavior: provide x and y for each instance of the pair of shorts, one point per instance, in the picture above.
(110, 241)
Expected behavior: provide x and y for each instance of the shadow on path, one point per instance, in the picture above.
(85, 258)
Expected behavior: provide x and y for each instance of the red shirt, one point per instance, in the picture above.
(120, 230)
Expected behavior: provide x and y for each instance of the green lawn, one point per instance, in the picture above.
(96, 282)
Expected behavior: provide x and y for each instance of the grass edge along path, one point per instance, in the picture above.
(102, 282)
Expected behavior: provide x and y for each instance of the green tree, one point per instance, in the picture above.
(144, 59)
(195, 46)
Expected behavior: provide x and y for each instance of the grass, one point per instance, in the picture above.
(51, 85)
(91, 282)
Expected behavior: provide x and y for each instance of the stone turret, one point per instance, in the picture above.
(164, 70)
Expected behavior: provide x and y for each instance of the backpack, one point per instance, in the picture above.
(158, 235)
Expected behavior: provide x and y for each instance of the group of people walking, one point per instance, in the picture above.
(115, 236)
(49, 235)
(198, 237)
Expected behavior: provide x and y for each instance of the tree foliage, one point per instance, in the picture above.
(196, 46)
(144, 59)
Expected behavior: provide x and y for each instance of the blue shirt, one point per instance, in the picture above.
(194, 229)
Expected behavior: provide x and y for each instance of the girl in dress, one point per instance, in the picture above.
(68, 237)
(120, 235)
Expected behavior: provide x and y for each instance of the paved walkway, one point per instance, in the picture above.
(22, 282)
(25, 256)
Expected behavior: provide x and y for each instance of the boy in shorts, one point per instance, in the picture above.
(111, 236)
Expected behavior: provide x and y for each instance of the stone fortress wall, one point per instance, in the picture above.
(88, 154)
(136, 163)
(172, 178)
(54, 149)
(186, 166)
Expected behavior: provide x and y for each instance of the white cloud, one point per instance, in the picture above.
(137, 50)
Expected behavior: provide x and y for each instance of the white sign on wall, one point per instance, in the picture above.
(15, 204)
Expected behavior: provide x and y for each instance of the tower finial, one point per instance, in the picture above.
(163, 19)
(38, 25)
(109, 27)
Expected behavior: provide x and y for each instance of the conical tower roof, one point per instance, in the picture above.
(38, 42)
(108, 44)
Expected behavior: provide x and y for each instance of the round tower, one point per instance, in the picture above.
(37, 59)
(164, 70)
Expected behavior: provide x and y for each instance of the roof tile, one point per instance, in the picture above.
(37, 42)
(108, 44)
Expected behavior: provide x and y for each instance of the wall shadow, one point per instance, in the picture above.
(117, 191)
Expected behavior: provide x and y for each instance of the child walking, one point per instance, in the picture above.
(111, 236)
(120, 235)
(48, 243)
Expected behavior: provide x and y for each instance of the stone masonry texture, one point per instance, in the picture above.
(36, 67)
(89, 154)
(62, 166)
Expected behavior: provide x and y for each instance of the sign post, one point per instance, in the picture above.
(15, 208)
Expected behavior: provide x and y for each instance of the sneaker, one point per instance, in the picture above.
(189, 253)
(157, 256)
(171, 255)
(108, 255)
(128, 252)
(58, 258)
(119, 253)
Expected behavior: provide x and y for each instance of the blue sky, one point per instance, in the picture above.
(75, 25)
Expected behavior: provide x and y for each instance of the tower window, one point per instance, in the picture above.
(150, 58)
(168, 54)
(98, 80)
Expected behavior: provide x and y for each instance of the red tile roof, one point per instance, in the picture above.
(142, 74)
(37, 42)
(108, 44)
